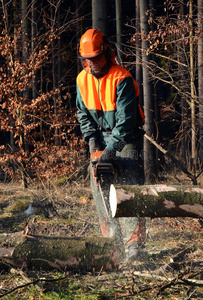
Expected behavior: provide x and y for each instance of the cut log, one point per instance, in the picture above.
(59, 252)
(156, 201)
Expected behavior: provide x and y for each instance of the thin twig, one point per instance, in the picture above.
(33, 282)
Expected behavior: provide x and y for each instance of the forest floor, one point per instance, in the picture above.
(170, 268)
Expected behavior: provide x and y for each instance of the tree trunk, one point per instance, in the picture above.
(149, 150)
(15, 32)
(200, 78)
(184, 106)
(33, 37)
(152, 28)
(99, 15)
(138, 76)
(119, 30)
(59, 65)
(156, 201)
(24, 29)
(192, 86)
(59, 252)
(53, 63)
(25, 93)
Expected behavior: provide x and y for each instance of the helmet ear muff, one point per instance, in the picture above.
(105, 40)
(106, 48)
(108, 51)
(78, 47)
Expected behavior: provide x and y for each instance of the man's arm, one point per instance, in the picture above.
(126, 114)
(87, 124)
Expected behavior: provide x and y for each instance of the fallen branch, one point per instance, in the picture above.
(169, 279)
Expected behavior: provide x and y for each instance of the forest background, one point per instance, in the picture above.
(160, 43)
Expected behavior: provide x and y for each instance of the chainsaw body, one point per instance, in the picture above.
(103, 177)
(102, 172)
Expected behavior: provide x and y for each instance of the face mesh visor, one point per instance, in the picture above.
(94, 71)
(85, 65)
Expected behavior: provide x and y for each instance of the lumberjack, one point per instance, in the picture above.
(111, 122)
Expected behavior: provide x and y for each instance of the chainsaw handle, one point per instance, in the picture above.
(94, 161)
(95, 156)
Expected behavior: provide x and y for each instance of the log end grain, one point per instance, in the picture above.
(113, 200)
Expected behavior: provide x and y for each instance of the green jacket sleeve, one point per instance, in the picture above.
(88, 126)
(125, 116)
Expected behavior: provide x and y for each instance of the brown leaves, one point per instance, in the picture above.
(37, 126)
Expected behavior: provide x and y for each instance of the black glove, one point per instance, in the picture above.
(107, 156)
(93, 146)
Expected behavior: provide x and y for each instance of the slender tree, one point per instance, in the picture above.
(138, 51)
(183, 78)
(119, 30)
(149, 150)
(192, 87)
(33, 38)
(59, 66)
(200, 76)
(25, 92)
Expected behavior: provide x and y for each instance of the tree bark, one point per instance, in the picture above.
(59, 252)
(156, 201)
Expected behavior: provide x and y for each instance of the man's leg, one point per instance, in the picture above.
(133, 174)
(135, 235)
(110, 227)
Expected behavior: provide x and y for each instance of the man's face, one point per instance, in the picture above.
(97, 63)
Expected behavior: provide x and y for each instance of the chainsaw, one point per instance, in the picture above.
(102, 175)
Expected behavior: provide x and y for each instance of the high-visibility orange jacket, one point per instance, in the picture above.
(108, 103)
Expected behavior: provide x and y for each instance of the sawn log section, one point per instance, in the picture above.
(156, 201)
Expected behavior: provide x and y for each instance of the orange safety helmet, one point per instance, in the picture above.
(92, 44)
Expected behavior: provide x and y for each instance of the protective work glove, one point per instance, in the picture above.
(107, 156)
(93, 146)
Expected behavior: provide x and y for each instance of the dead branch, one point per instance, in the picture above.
(178, 280)
(175, 160)
(188, 281)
